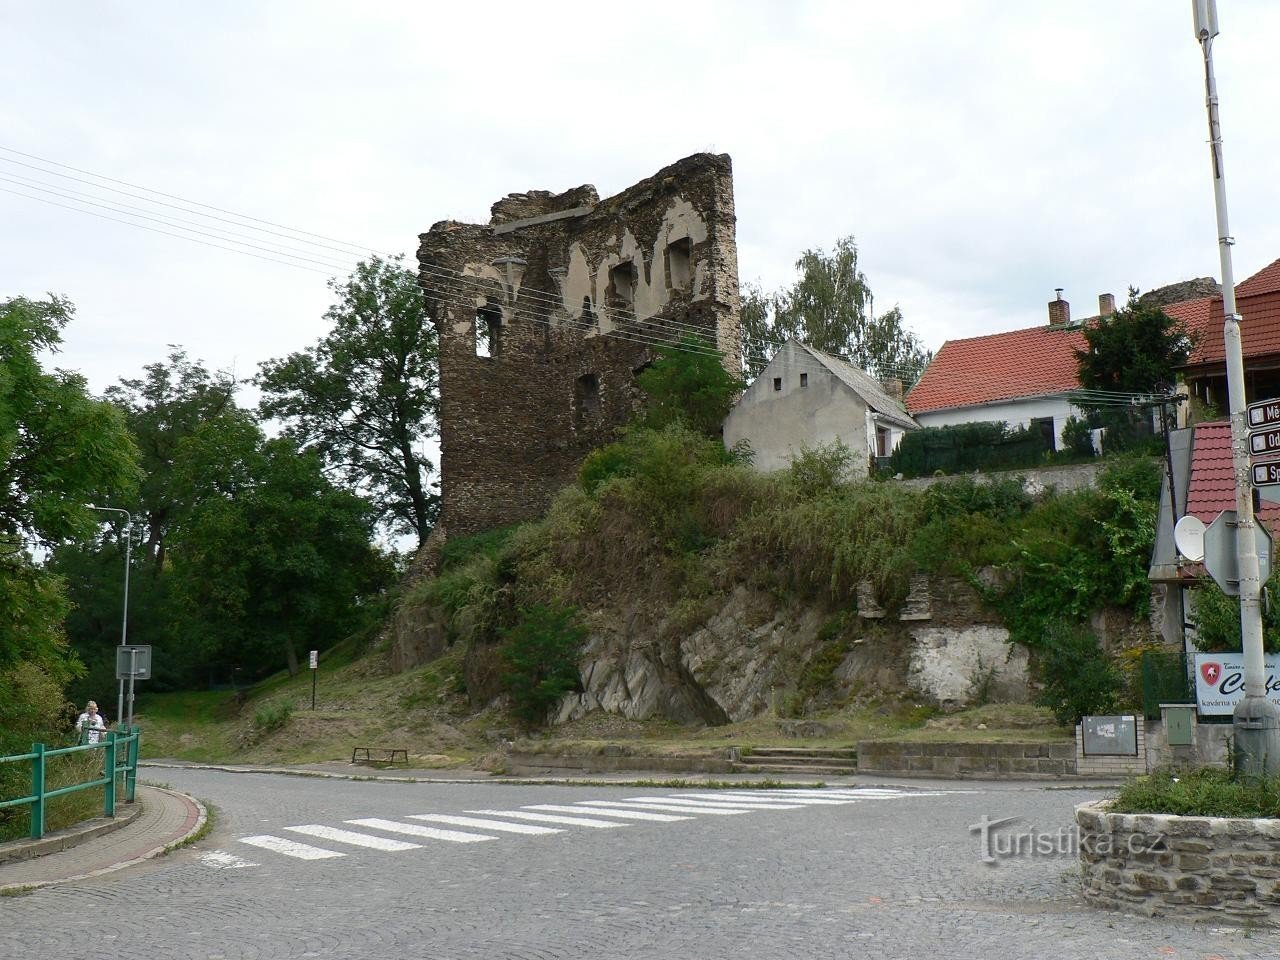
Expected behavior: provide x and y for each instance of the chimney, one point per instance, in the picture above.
(1059, 310)
(1106, 304)
(893, 387)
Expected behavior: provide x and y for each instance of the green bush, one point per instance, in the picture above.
(1077, 437)
(1217, 618)
(1201, 793)
(1078, 678)
(540, 655)
(602, 464)
(819, 470)
(272, 717)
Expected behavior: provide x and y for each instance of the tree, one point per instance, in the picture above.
(269, 558)
(1136, 350)
(59, 449)
(688, 382)
(830, 307)
(365, 397)
(163, 407)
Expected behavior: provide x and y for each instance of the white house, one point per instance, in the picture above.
(805, 398)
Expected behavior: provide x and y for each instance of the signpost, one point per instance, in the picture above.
(132, 663)
(315, 665)
(1264, 413)
(1221, 552)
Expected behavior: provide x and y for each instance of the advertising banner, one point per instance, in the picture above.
(1220, 682)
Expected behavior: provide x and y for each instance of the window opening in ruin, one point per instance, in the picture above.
(679, 258)
(804, 380)
(589, 314)
(1045, 426)
(777, 383)
(586, 401)
(488, 331)
(622, 287)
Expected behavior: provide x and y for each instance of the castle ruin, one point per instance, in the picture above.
(546, 315)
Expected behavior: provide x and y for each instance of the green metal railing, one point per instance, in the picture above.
(119, 765)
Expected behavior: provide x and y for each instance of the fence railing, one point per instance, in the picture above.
(119, 768)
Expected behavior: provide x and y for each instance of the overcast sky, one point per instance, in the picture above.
(982, 153)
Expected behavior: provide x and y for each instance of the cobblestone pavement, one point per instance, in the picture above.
(701, 874)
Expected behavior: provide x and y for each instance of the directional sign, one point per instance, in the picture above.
(1265, 474)
(1264, 414)
(133, 662)
(1264, 441)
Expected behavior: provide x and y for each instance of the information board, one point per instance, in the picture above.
(1110, 736)
(1220, 682)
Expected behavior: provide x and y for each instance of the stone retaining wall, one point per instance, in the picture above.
(907, 758)
(547, 764)
(1196, 868)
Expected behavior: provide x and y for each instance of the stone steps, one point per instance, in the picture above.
(817, 760)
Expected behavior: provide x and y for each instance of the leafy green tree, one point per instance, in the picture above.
(365, 397)
(541, 658)
(269, 558)
(688, 383)
(161, 408)
(59, 449)
(830, 307)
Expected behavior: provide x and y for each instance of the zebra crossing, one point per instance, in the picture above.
(418, 830)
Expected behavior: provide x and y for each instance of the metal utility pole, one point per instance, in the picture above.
(124, 623)
(1257, 719)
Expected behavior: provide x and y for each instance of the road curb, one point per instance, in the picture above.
(17, 851)
(198, 816)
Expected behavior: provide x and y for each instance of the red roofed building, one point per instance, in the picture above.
(1021, 377)
(1258, 301)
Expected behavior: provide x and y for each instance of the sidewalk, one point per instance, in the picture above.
(164, 818)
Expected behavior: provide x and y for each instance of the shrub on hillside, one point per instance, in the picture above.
(540, 655)
(1078, 678)
(816, 471)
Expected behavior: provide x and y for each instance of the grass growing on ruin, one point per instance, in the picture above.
(1200, 793)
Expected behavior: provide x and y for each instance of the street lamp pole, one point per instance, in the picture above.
(124, 622)
(1256, 718)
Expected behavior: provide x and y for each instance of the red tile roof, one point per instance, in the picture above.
(999, 366)
(1259, 325)
(1213, 480)
(1266, 280)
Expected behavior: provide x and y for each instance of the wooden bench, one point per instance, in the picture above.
(385, 755)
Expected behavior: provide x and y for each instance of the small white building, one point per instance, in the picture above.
(805, 398)
(1024, 378)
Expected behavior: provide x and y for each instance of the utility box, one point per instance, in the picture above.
(1179, 723)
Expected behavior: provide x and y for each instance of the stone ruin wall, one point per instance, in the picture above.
(577, 292)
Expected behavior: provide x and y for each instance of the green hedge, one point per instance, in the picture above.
(969, 446)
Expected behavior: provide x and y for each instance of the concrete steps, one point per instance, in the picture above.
(798, 760)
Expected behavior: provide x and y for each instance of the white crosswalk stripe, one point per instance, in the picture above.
(501, 826)
(725, 804)
(550, 818)
(222, 860)
(666, 807)
(338, 835)
(804, 801)
(413, 830)
(291, 848)
(619, 814)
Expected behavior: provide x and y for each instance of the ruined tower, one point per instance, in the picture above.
(546, 314)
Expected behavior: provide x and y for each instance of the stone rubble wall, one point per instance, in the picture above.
(1021, 760)
(1194, 868)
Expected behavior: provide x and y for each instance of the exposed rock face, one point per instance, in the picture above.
(956, 666)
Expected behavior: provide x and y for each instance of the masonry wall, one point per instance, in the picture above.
(579, 292)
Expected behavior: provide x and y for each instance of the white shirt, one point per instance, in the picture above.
(93, 723)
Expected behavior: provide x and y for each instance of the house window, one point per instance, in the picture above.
(679, 255)
(488, 328)
(1045, 426)
(622, 286)
(804, 380)
(586, 401)
(777, 383)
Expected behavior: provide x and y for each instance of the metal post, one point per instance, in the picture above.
(133, 670)
(124, 622)
(1256, 719)
(109, 768)
(313, 689)
(37, 791)
(131, 774)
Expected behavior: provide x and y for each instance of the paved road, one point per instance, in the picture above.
(387, 871)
